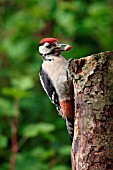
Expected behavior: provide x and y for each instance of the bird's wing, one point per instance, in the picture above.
(49, 89)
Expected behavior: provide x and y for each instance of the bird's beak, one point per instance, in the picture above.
(66, 47)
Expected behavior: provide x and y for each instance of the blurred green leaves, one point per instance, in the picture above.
(17, 50)
(13, 92)
(23, 83)
(33, 130)
(3, 141)
(60, 167)
(6, 107)
(65, 150)
(64, 18)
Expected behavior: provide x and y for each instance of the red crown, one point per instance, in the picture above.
(49, 40)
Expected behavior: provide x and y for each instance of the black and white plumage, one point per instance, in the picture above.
(54, 80)
(49, 89)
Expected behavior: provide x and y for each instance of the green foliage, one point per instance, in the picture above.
(33, 130)
(6, 107)
(62, 167)
(3, 141)
(42, 137)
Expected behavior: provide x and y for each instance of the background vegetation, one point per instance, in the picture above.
(41, 137)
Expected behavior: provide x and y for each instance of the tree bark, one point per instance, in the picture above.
(92, 147)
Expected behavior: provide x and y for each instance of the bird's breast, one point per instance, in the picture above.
(57, 72)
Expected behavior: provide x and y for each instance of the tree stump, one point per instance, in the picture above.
(92, 147)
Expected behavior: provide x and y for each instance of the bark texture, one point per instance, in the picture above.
(92, 147)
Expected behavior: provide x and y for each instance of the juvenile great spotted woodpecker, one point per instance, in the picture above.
(55, 80)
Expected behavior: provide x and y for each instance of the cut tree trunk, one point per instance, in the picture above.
(92, 147)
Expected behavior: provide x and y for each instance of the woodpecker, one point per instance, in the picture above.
(55, 80)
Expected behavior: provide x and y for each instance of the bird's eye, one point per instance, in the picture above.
(48, 46)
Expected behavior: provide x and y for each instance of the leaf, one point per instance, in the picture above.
(38, 151)
(23, 83)
(33, 130)
(6, 107)
(3, 141)
(65, 20)
(29, 162)
(13, 92)
(65, 150)
(47, 154)
(18, 49)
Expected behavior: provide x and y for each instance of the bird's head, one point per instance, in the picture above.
(50, 46)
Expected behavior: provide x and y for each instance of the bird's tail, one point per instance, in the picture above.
(70, 127)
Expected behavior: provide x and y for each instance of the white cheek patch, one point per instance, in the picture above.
(43, 50)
